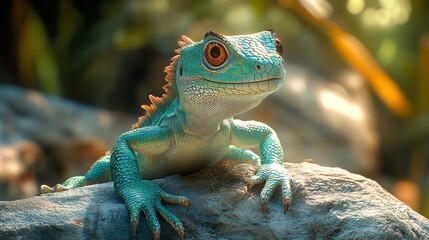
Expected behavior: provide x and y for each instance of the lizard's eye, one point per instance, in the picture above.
(215, 55)
(279, 47)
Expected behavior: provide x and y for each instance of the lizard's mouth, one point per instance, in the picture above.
(248, 82)
(246, 87)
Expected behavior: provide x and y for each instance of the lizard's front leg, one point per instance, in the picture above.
(241, 155)
(137, 193)
(252, 133)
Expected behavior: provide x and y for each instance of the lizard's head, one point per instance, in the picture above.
(229, 74)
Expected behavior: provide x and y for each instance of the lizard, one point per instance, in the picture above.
(192, 126)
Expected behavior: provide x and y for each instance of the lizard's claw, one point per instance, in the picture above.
(273, 174)
(146, 196)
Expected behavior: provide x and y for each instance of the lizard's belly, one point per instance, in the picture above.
(187, 154)
(188, 158)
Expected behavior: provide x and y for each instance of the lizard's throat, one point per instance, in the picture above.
(198, 123)
(204, 117)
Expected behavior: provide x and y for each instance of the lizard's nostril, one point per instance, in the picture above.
(258, 67)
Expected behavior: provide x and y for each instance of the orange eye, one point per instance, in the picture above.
(215, 54)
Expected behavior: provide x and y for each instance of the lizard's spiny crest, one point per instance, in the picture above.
(160, 104)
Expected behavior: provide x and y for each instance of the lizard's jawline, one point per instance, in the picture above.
(259, 81)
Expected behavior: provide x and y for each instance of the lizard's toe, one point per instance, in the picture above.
(134, 218)
(60, 188)
(172, 220)
(254, 180)
(286, 194)
(153, 222)
(170, 198)
(57, 188)
(267, 191)
(45, 189)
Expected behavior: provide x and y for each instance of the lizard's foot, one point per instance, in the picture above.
(146, 196)
(70, 183)
(57, 188)
(273, 174)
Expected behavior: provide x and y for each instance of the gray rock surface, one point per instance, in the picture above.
(328, 203)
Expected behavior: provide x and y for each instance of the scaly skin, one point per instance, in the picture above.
(192, 126)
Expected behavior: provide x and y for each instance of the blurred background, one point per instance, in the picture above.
(73, 75)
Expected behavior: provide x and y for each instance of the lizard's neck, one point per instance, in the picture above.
(198, 123)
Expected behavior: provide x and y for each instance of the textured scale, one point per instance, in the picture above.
(191, 126)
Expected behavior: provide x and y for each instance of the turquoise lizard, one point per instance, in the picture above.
(191, 126)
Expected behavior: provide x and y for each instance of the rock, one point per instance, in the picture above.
(328, 203)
